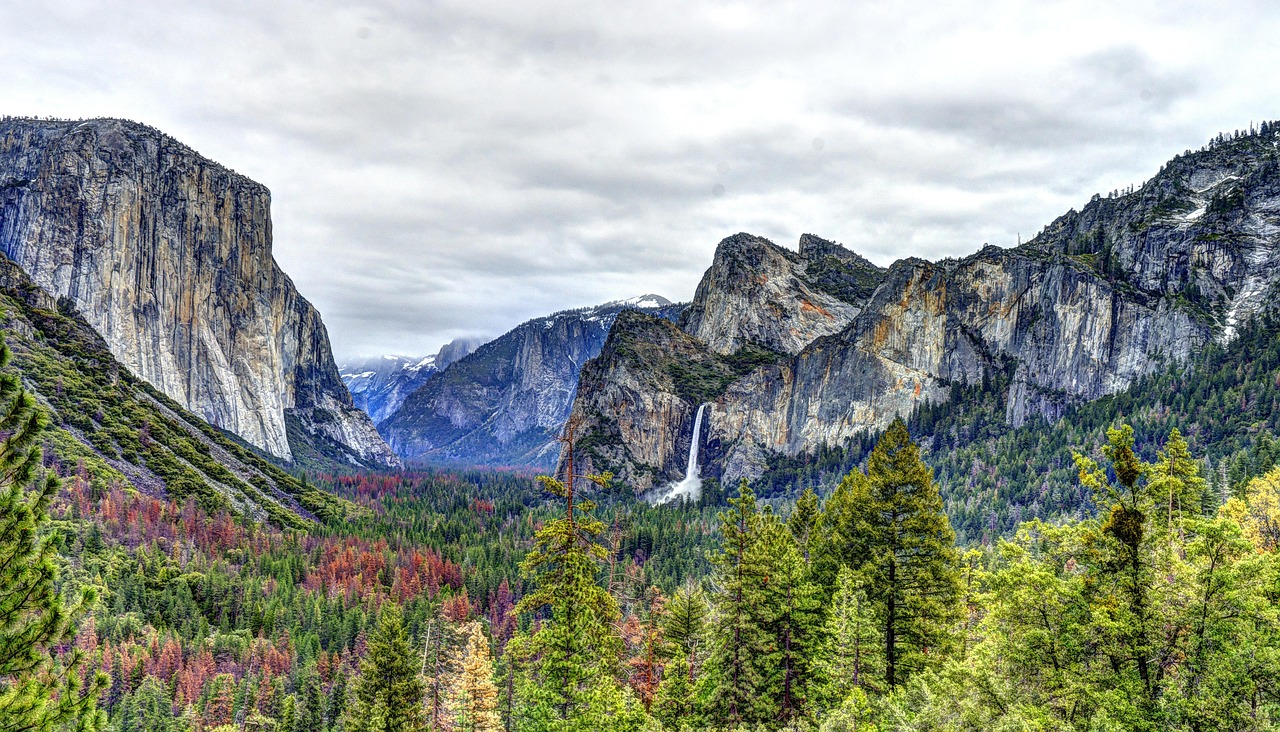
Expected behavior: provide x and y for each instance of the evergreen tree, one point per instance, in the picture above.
(853, 656)
(911, 570)
(440, 666)
(475, 697)
(795, 619)
(38, 691)
(742, 649)
(387, 696)
(1124, 551)
(675, 702)
(684, 625)
(843, 531)
(804, 520)
(1176, 483)
(569, 665)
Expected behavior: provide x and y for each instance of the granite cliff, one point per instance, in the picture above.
(1101, 297)
(168, 256)
(112, 428)
(504, 404)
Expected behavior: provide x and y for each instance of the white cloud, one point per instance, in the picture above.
(450, 168)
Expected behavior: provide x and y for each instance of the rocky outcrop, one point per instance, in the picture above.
(168, 256)
(1100, 298)
(380, 385)
(504, 404)
(1063, 333)
(757, 293)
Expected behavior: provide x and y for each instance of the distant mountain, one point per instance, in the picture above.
(379, 385)
(1101, 298)
(167, 254)
(504, 404)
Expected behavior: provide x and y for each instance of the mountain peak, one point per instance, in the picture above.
(813, 247)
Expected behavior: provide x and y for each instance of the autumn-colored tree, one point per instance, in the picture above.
(475, 697)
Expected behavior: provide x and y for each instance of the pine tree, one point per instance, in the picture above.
(795, 619)
(311, 710)
(684, 625)
(38, 691)
(804, 520)
(742, 648)
(569, 665)
(1124, 549)
(441, 663)
(854, 652)
(675, 703)
(475, 697)
(911, 571)
(387, 696)
(843, 532)
(1175, 482)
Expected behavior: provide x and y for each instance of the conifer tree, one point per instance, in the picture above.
(37, 691)
(911, 570)
(1126, 536)
(742, 648)
(684, 625)
(675, 703)
(387, 696)
(853, 656)
(1176, 483)
(569, 665)
(475, 697)
(795, 619)
(804, 520)
(842, 534)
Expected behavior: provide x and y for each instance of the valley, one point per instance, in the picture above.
(1028, 488)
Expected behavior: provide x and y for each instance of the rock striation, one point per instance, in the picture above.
(504, 404)
(1098, 299)
(168, 256)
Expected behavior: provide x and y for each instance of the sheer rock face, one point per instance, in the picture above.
(168, 256)
(628, 408)
(505, 403)
(1100, 298)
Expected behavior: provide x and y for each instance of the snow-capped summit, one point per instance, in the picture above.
(379, 385)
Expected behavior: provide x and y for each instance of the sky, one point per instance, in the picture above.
(443, 169)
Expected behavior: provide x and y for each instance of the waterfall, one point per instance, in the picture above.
(691, 487)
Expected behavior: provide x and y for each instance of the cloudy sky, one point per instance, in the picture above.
(444, 169)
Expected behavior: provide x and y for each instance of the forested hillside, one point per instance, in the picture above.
(994, 476)
(484, 606)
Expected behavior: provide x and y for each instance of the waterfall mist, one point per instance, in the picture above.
(689, 489)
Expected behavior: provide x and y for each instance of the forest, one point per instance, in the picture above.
(1146, 598)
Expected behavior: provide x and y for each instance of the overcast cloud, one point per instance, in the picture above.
(441, 169)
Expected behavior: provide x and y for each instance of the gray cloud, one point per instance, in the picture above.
(454, 168)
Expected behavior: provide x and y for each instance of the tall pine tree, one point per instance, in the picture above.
(742, 648)
(853, 657)
(795, 619)
(38, 691)
(569, 665)
(911, 570)
(388, 693)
